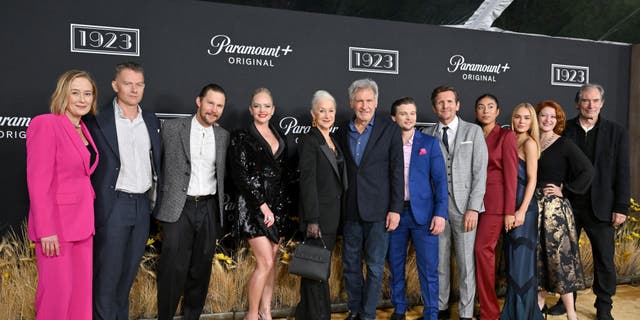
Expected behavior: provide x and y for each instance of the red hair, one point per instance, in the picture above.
(560, 115)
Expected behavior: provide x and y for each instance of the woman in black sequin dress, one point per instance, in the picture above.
(258, 163)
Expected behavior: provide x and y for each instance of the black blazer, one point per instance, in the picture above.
(103, 131)
(610, 188)
(377, 185)
(322, 182)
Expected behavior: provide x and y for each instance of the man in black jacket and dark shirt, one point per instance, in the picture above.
(605, 206)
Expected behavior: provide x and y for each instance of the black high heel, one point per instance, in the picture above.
(545, 311)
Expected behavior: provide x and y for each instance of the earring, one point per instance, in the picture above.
(314, 122)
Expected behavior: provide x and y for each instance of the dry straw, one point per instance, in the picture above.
(227, 288)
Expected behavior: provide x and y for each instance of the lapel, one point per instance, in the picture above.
(463, 127)
(601, 139)
(217, 134)
(418, 143)
(185, 137)
(343, 138)
(265, 145)
(75, 139)
(93, 145)
(151, 122)
(107, 124)
(376, 132)
(326, 151)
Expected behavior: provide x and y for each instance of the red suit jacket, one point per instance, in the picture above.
(502, 172)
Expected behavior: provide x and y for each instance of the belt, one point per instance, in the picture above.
(123, 194)
(200, 198)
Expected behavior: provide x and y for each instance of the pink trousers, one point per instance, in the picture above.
(64, 282)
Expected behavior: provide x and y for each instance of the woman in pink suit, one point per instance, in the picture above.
(60, 158)
(499, 201)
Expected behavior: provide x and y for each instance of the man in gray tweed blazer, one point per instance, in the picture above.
(191, 204)
(466, 156)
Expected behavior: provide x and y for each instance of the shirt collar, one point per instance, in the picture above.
(410, 141)
(453, 125)
(118, 110)
(590, 128)
(352, 125)
(195, 124)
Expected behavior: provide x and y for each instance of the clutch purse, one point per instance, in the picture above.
(311, 262)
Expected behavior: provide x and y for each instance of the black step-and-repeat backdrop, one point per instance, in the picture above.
(185, 44)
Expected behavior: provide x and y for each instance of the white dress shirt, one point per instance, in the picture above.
(451, 132)
(134, 145)
(202, 147)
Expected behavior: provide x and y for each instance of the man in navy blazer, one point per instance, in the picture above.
(128, 141)
(424, 214)
(373, 153)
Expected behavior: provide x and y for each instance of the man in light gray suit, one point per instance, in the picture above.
(191, 204)
(465, 152)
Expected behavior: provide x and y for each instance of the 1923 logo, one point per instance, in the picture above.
(105, 40)
(568, 75)
(373, 60)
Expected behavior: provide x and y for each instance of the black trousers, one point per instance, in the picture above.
(602, 237)
(184, 268)
(315, 297)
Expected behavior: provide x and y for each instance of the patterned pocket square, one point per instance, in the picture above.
(422, 152)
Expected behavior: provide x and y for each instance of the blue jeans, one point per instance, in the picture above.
(364, 295)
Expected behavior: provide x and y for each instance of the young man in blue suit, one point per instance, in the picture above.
(424, 213)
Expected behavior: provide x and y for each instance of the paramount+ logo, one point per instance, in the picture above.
(247, 54)
(474, 71)
(13, 127)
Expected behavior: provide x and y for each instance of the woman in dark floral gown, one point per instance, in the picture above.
(561, 166)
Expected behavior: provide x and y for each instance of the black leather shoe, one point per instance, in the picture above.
(557, 309)
(352, 316)
(396, 316)
(444, 314)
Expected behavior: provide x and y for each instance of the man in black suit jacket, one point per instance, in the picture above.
(128, 141)
(603, 208)
(374, 200)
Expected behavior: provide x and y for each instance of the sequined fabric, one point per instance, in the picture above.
(559, 265)
(259, 176)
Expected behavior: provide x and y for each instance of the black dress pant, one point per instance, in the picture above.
(602, 237)
(184, 268)
(315, 297)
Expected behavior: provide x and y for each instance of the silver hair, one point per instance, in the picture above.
(590, 86)
(363, 84)
(321, 94)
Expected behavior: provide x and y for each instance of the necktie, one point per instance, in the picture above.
(445, 138)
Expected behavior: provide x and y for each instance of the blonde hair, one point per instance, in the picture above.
(60, 97)
(534, 128)
(259, 91)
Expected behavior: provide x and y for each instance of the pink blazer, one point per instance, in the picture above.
(58, 172)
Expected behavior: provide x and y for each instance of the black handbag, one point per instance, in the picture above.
(311, 262)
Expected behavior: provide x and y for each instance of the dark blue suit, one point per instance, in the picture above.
(375, 188)
(122, 221)
(427, 198)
